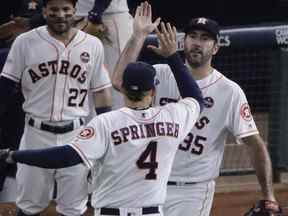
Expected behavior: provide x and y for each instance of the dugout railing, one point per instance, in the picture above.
(256, 58)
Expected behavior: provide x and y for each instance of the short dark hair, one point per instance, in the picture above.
(45, 2)
(135, 96)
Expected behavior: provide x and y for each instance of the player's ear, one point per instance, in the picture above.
(44, 12)
(153, 92)
(215, 48)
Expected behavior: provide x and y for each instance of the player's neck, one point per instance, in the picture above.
(65, 37)
(139, 105)
(201, 72)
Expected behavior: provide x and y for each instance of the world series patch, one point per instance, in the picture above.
(85, 57)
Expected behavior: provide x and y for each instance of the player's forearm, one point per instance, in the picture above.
(51, 158)
(261, 161)
(186, 84)
(129, 54)
(95, 15)
(103, 101)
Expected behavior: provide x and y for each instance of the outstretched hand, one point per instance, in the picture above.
(5, 155)
(10, 30)
(167, 40)
(143, 24)
(98, 30)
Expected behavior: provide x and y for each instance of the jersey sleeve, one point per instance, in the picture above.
(15, 62)
(186, 112)
(91, 143)
(241, 120)
(166, 86)
(100, 78)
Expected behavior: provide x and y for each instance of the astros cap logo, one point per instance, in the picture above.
(202, 20)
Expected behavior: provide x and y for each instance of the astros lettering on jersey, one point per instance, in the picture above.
(73, 69)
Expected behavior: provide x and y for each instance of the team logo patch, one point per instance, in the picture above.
(208, 102)
(86, 133)
(85, 57)
(245, 112)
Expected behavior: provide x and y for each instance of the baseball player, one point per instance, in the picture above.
(197, 163)
(57, 66)
(133, 146)
(111, 21)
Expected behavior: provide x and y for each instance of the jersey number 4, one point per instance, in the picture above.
(147, 160)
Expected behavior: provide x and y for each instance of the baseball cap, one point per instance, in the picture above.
(202, 23)
(72, 1)
(139, 76)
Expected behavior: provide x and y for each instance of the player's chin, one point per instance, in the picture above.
(60, 29)
(195, 62)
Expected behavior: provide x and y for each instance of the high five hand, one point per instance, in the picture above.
(143, 24)
(167, 40)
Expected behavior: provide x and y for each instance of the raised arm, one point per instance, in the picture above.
(168, 48)
(142, 27)
(95, 14)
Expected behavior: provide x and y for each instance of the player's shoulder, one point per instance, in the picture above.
(163, 71)
(31, 34)
(227, 82)
(162, 67)
(104, 119)
(187, 103)
(27, 38)
(89, 38)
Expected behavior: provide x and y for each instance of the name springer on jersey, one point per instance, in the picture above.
(141, 131)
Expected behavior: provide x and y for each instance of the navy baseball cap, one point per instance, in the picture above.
(45, 2)
(139, 76)
(202, 23)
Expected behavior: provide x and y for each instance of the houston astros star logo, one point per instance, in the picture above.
(86, 133)
(245, 112)
(202, 21)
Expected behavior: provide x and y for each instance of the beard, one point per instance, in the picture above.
(60, 27)
(196, 58)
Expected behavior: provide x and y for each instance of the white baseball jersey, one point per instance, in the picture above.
(135, 150)
(55, 78)
(116, 6)
(226, 110)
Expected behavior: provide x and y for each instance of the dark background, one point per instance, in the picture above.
(226, 12)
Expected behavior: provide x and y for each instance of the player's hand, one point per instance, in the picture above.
(6, 155)
(98, 30)
(167, 40)
(10, 30)
(143, 24)
(265, 207)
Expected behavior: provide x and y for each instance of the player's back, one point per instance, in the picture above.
(141, 146)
